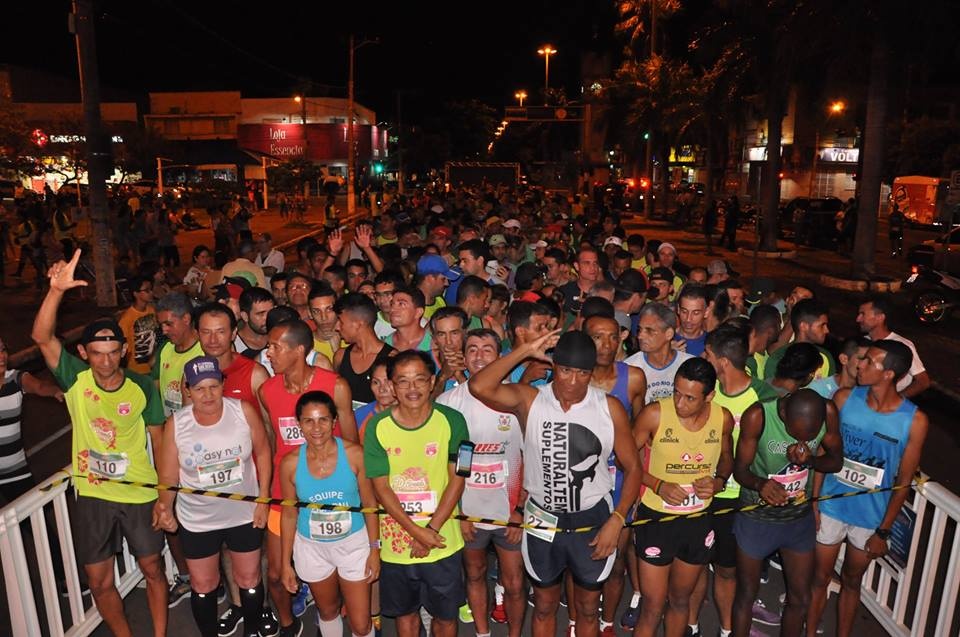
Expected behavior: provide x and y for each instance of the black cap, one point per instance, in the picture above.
(526, 274)
(577, 350)
(662, 274)
(761, 286)
(632, 281)
(101, 325)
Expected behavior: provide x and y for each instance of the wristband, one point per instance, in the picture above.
(883, 534)
(656, 487)
(431, 528)
(518, 509)
(375, 544)
(620, 515)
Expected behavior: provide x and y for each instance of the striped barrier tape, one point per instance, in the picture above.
(918, 481)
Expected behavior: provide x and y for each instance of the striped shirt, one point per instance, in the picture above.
(13, 460)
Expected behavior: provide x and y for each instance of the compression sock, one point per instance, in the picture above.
(251, 603)
(330, 627)
(204, 607)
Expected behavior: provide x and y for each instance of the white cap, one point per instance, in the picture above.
(541, 244)
(666, 246)
(613, 241)
(511, 223)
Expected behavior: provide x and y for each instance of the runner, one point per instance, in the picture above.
(628, 385)
(883, 436)
(356, 317)
(383, 395)
(692, 312)
(448, 327)
(114, 411)
(336, 553)
(527, 322)
(765, 326)
(851, 353)
(690, 428)
(218, 444)
(410, 452)
(780, 442)
(406, 318)
(570, 430)
(492, 491)
(251, 338)
(872, 318)
(287, 350)
(809, 321)
(657, 358)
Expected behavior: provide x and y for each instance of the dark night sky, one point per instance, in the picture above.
(435, 50)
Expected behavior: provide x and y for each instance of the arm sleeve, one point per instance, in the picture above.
(375, 461)
(68, 367)
(153, 412)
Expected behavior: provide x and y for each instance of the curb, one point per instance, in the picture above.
(859, 285)
(763, 254)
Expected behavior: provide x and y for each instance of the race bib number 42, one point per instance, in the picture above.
(290, 432)
(793, 482)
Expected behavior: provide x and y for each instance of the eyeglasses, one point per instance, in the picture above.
(298, 286)
(407, 383)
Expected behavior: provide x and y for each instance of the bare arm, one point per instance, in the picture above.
(343, 399)
(261, 452)
(45, 323)
(644, 426)
(33, 385)
(267, 424)
(909, 464)
(449, 498)
(288, 520)
(637, 386)
(919, 384)
(625, 451)
(751, 428)
(513, 398)
(830, 458)
(168, 472)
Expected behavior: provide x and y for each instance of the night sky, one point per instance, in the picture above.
(434, 51)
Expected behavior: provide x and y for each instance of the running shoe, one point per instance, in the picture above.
(763, 615)
(302, 600)
(269, 624)
(179, 591)
(466, 614)
(228, 622)
(608, 631)
(628, 620)
(689, 632)
(293, 630)
(499, 614)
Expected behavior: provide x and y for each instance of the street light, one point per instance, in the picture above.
(520, 95)
(546, 51)
(837, 107)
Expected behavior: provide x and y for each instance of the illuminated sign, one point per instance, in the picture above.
(76, 139)
(686, 154)
(839, 155)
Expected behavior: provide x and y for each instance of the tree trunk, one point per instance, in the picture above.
(665, 176)
(770, 188)
(710, 166)
(864, 247)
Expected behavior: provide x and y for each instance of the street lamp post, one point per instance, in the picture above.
(546, 51)
(520, 95)
(836, 108)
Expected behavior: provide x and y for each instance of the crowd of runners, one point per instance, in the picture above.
(486, 354)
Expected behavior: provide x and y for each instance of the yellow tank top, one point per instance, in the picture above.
(682, 456)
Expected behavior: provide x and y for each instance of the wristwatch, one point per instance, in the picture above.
(883, 534)
(375, 544)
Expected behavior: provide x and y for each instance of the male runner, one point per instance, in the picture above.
(657, 358)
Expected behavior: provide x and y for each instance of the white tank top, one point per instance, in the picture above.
(215, 458)
(565, 453)
(659, 379)
(493, 487)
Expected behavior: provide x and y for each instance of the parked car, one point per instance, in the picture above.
(144, 186)
(811, 222)
(930, 253)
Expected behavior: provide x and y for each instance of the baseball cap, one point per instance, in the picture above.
(511, 223)
(526, 274)
(666, 246)
(435, 264)
(437, 208)
(201, 368)
(632, 281)
(719, 266)
(661, 274)
(541, 244)
(760, 286)
(613, 241)
(443, 231)
(231, 288)
(497, 240)
(102, 325)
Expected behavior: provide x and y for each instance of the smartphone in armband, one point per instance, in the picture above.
(465, 458)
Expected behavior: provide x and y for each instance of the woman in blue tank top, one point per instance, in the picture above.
(337, 553)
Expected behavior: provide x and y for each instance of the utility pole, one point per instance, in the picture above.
(399, 143)
(98, 150)
(351, 158)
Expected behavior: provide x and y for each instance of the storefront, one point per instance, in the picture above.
(834, 172)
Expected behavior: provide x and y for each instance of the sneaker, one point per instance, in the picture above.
(765, 572)
(688, 632)
(608, 631)
(269, 624)
(628, 620)
(228, 622)
(499, 614)
(179, 591)
(763, 615)
(293, 630)
(571, 630)
(466, 615)
(377, 626)
(221, 593)
(302, 600)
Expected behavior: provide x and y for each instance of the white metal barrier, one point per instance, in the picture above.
(26, 563)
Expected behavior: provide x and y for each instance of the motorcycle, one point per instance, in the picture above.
(938, 293)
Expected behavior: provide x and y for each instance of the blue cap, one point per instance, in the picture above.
(201, 368)
(435, 264)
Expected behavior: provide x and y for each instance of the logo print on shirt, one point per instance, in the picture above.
(431, 449)
(123, 409)
(504, 424)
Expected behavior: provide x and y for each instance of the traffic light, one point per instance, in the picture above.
(377, 168)
(644, 183)
(646, 135)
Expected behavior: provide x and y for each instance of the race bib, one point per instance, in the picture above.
(859, 475)
(290, 432)
(330, 525)
(487, 476)
(220, 474)
(419, 505)
(108, 465)
(612, 465)
(794, 482)
(534, 515)
(690, 504)
(172, 399)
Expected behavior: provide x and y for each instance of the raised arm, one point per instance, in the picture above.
(514, 398)
(363, 237)
(45, 324)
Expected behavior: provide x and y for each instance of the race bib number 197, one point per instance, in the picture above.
(221, 474)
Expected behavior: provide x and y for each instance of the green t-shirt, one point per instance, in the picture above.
(827, 367)
(417, 464)
(169, 368)
(429, 310)
(109, 430)
(756, 391)
(757, 364)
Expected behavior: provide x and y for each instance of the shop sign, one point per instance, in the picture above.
(839, 155)
(277, 140)
(78, 139)
(757, 153)
(686, 154)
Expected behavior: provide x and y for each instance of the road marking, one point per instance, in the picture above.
(37, 448)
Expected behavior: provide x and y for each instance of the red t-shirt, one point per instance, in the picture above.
(282, 407)
(237, 380)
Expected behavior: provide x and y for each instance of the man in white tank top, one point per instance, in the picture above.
(570, 429)
(657, 357)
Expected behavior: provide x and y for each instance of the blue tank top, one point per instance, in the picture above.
(873, 445)
(340, 487)
(620, 392)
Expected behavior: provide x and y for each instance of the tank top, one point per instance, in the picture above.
(13, 459)
(681, 456)
(621, 393)
(215, 457)
(566, 453)
(771, 461)
(659, 379)
(282, 408)
(873, 446)
(340, 487)
(736, 404)
(360, 381)
(238, 378)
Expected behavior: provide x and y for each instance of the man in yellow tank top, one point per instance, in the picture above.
(690, 458)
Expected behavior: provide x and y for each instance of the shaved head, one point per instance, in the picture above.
(805, 410)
